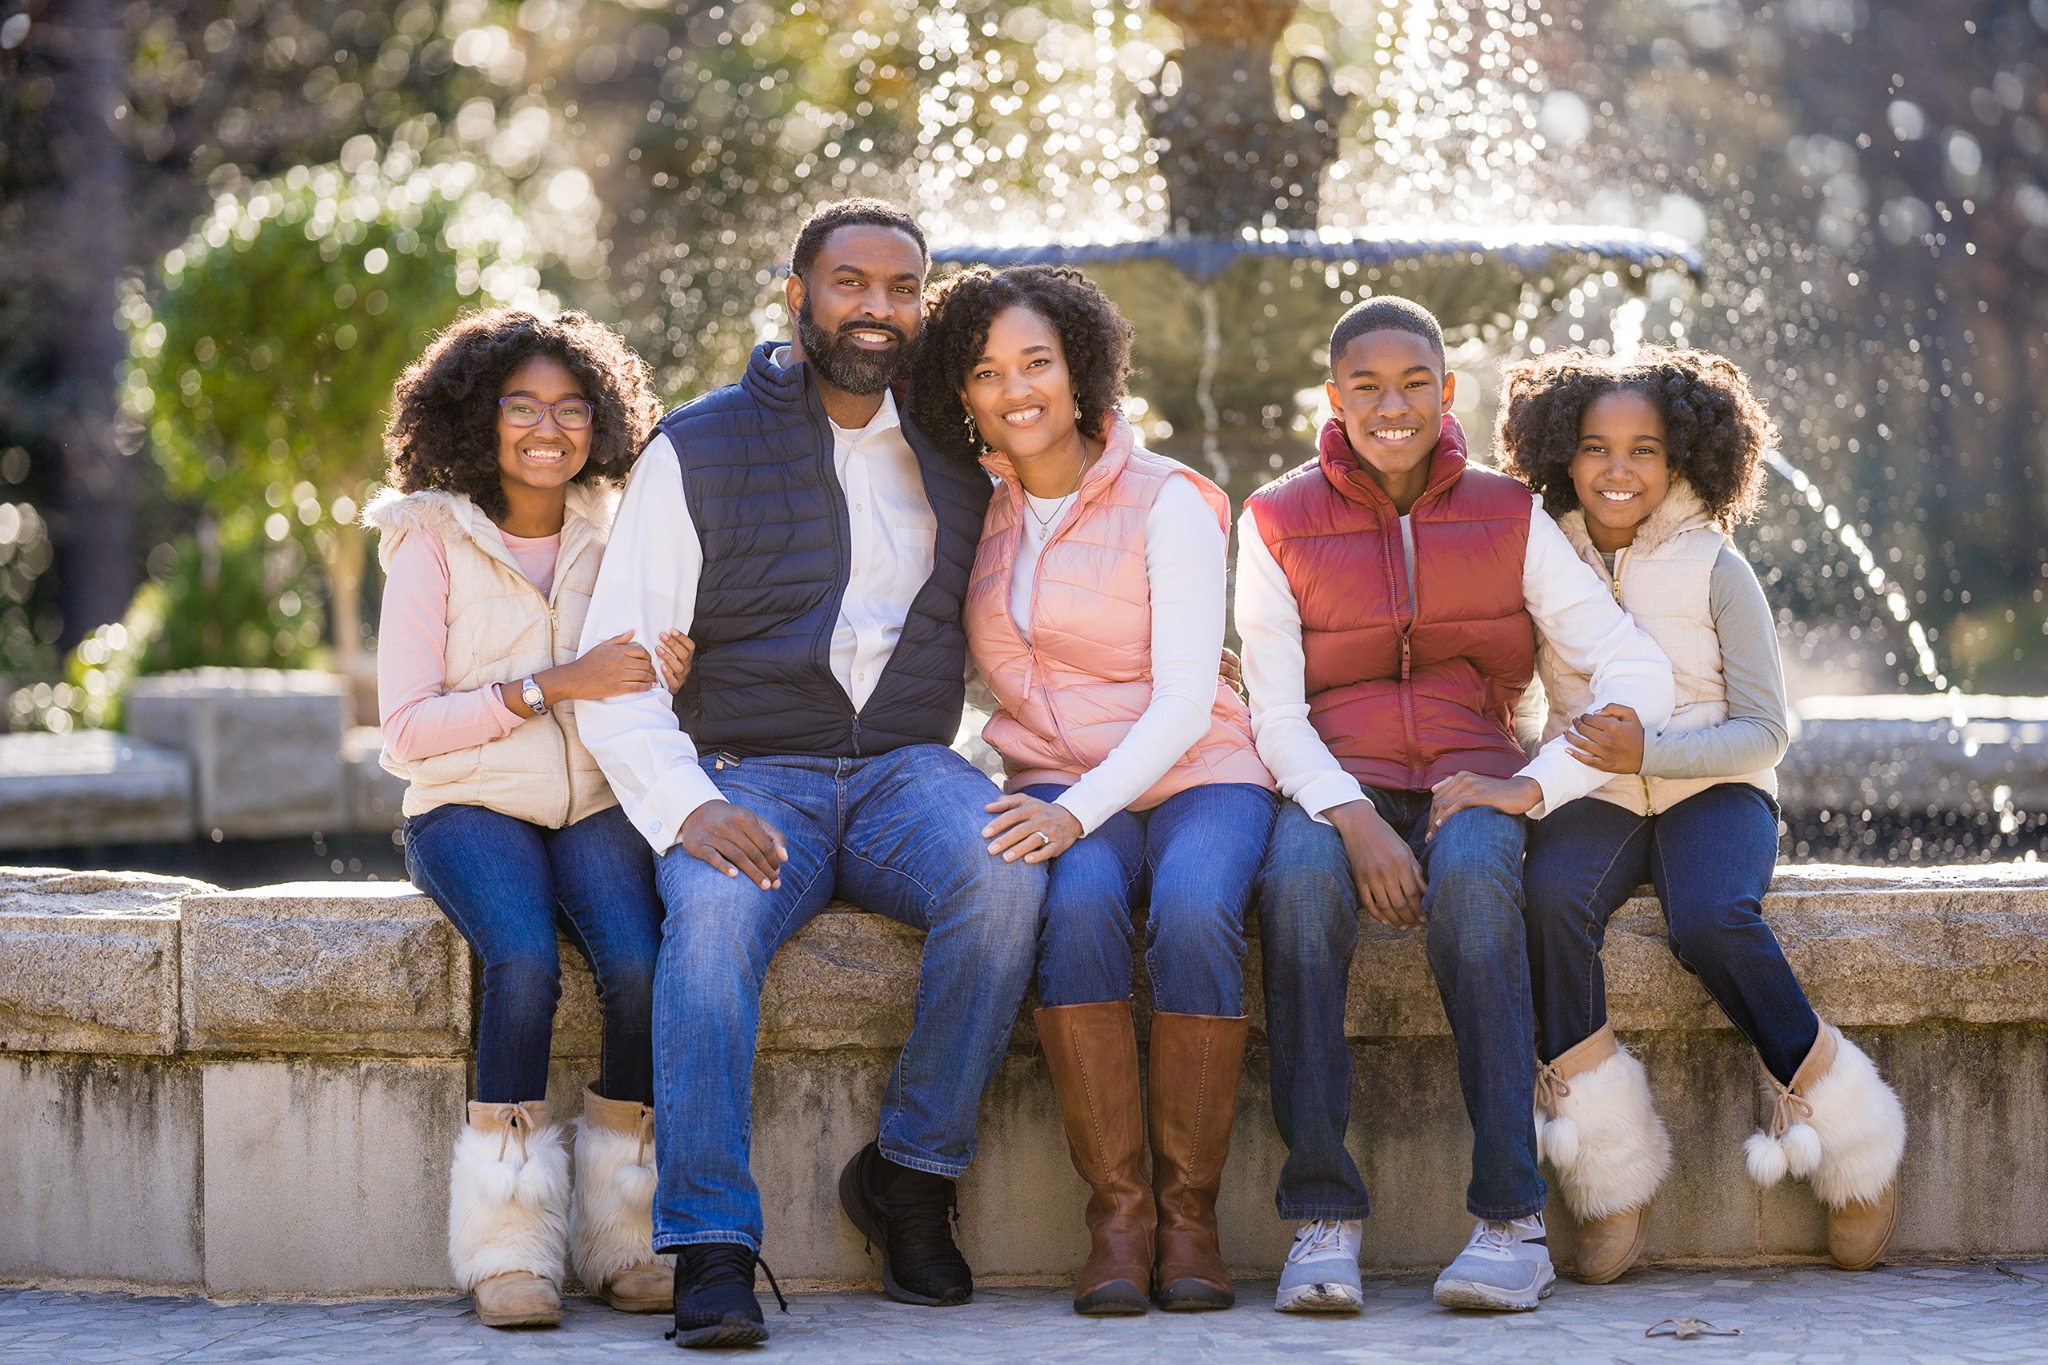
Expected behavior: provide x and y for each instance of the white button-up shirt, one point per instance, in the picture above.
(648, 584)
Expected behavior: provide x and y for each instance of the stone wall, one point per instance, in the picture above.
(254, 1092)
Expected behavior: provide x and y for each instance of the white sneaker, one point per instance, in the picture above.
(1321, 1275)
(1504, 1268)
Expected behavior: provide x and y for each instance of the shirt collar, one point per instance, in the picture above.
(886, 417)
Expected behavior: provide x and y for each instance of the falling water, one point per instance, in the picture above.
(1852, 540)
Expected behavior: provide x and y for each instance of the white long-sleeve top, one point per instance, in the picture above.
(1185, 568)
(1571, 606)
(648, 584)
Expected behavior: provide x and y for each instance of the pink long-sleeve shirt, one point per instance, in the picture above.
(421, 717)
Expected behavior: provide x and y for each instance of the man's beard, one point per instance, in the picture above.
(844, 365)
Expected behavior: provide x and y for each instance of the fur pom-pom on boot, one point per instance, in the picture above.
(508, 1213)
(1841, 1128)
(611, 1224)
(1596, 1125)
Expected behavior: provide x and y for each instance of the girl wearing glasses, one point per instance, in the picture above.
(507, 440)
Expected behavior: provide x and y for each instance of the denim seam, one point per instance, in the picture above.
(1660, 873)
(951, 1170)
(1503, 1213)
(1341, 1212)
(1595, 968)
(666, 1244)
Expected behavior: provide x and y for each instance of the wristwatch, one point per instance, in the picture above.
(530, 693)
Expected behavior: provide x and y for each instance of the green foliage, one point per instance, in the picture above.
(264, 364)
(230, 599)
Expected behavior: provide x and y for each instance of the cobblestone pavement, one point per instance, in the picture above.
(1793, 1314)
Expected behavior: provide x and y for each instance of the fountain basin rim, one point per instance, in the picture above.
(1528, 250)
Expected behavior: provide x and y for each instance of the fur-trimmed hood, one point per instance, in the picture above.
(395, 515)
(1681, 511)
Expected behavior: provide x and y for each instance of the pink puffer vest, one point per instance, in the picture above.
(1069, 695)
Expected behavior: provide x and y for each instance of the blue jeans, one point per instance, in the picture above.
(505, 885)
(1710, 857)
(1308, 908)
(898, 834)
(1198, 850)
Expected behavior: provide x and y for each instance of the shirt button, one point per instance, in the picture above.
(860, 677)
(860, 507)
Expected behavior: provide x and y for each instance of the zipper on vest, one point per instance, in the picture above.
(1407, 689)
(1621, 567)
(568, 769)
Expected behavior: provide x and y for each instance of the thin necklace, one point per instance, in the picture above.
(1045, 522)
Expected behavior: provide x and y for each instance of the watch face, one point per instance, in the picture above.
(529, 691)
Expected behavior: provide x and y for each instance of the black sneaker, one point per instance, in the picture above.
(715, 1303)
(909, 1215)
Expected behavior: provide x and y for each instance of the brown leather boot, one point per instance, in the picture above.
(1609, 1150)
(1195, 1062)
(1092, 1052)
(611, 1221)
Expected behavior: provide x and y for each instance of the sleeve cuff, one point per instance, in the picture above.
(659, 815)
(1559, 776)
(1328, 790)
(1083, 810)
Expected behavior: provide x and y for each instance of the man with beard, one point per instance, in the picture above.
(816, 547)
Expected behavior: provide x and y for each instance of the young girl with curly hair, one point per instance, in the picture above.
(507, 439)
(1095, 611)
(1647, 463)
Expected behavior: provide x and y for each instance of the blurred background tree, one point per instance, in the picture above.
(263, 364)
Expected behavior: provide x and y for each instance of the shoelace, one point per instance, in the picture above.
(1551, 1087)
(1498, 1238)
(646, 1135)
(732, 1263)
(925, 1229)
(514, 1119)
(1791, 1108)
(1325, 1234)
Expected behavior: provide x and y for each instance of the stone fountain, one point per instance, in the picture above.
(1232, 302)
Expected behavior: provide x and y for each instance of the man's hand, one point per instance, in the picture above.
(1384, 870)
(1610, 739)
(1028, 828)
(1462, 791)
(735, 841)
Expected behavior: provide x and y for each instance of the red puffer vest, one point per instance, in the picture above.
(1406, 697)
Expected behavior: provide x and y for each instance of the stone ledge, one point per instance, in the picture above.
(89, 961)
(319, 968)
(265, 745)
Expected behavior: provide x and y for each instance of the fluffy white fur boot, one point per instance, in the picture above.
(1597, 1127)
(508, 1198)
(611, 1223)
(1838, 1126)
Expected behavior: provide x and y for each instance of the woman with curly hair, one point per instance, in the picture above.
(507, 439)
(1095, 610)
(1647, 464)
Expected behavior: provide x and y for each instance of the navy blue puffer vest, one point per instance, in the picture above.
(757, 470)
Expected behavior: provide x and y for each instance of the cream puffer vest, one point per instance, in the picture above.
(500, 629)
(1662, 580)
(1069, 695)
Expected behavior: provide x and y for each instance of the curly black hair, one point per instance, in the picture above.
(1716, 432)
(443, 431)
(958, 311)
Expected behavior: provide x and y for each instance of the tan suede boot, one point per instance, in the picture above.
(1195, 1063)
(1841, 1128)
(1596, 1125)
(1092, 1053)
(508, 1196)
(611, 1222)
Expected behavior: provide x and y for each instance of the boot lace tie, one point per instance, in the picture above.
(1551, 1086)
(1792, 1107)
(516, 1125)
(646, 1136)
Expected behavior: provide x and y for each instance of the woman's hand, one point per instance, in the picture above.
(1028, 828)
(1610, 739)
(1462, 791)
(674, 651)
(610, 669)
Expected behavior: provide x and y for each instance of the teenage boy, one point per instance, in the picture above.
(1388, 594)
(816, 547)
